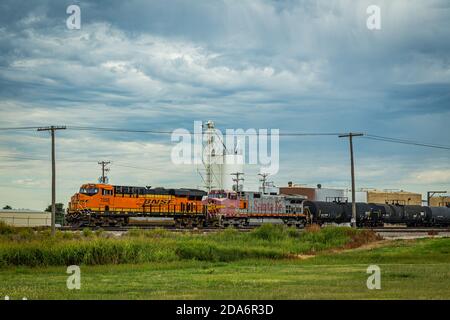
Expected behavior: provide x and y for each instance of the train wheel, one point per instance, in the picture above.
(201, 223)
(301, 224)
(178, 224)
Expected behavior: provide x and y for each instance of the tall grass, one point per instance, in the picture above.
(6, 229)
(139, 246)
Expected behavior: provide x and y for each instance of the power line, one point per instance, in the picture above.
(170, 132)
(78, 161)
(42, 159)
(408, 142)
(286, 134)
(118, 130)
(132, 167)
(106, 129)
(19, 128)
(23, 158)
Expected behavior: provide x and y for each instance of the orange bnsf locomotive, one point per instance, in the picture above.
(108, 205)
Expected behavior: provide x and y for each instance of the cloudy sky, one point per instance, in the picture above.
(299, 66)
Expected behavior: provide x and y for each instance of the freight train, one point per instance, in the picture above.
(108, 205)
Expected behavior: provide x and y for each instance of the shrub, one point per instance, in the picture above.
(135, 232)
(6, 229)
(99, 232)
(87, 232)
(269, 232)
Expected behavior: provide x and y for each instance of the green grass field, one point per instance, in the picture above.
(418, 269)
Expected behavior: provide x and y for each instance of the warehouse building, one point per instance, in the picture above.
(314, 193)
(394, 197)
(25, 218)
(440, 201)
(368, 196)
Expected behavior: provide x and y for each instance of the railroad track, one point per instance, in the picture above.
(249, 228)
(168, 228)
(408, 230)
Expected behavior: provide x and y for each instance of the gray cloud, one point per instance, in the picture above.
(295, 65)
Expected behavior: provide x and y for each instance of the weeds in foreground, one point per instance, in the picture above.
(30, 248)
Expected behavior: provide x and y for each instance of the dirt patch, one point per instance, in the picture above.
(304, 256)
(367, 246)
(313, 228)
(362, 238)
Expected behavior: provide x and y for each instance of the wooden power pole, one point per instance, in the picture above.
(263, 180)
(352, 163)
(237, 179)
(104, 169)
(52, 131)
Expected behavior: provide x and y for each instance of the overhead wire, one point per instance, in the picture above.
(127, 130)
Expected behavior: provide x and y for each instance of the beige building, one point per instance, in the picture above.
(439, 201)
(368, 196)
(394, 197)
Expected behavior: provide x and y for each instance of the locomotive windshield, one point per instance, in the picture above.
(89, 191)
(218, 195)
(222, 195)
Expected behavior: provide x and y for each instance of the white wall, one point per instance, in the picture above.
(360, 196)
(323, 193)
(25, 218)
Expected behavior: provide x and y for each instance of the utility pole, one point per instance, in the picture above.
(430, 194)
(352, 163)
(237, 179)
(104, 169)
(52, 130)
(263, 180)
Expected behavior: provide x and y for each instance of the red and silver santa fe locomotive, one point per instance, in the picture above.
(227, 208)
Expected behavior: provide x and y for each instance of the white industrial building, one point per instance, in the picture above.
(360, 195)
(221, 164)
(25, 218)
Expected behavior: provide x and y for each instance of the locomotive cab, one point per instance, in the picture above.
(224, 202)
(91, 197)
